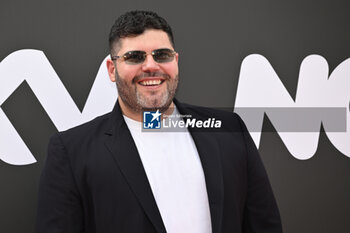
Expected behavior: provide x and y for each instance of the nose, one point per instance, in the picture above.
(150, 64)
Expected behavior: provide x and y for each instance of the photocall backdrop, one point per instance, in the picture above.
(284, 66)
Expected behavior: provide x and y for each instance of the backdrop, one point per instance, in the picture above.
(263, 55)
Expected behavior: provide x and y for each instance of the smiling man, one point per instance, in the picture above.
(108, 176)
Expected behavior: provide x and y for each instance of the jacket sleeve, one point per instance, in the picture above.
(261, 214)
(59, 203)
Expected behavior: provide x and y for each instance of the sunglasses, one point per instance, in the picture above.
(138, 57)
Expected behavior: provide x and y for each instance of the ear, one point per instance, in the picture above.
(111, 69)
(177, 57)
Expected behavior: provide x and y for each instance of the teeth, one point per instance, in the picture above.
(150, 82)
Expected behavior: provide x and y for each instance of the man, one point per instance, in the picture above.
(109, 176)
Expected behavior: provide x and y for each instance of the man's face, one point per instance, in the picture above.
(149, 85)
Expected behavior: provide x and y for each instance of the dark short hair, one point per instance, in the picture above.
(134, 23)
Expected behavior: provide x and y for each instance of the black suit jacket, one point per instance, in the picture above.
(94, 182)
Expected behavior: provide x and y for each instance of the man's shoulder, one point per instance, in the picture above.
(91, 129)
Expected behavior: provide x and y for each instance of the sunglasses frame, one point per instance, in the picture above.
(145, 54)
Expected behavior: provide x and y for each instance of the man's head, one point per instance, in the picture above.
(144, 64)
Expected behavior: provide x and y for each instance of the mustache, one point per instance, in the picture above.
(150, 75)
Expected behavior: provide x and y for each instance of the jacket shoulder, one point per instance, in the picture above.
(86, 131)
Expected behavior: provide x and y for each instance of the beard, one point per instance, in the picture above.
(153, 100)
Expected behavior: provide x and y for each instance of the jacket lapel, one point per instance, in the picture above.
(209, 152)
(123, 148)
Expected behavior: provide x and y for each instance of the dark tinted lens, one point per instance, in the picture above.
(134, 57)
(163, 55)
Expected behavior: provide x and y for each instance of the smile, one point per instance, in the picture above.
(151, 82)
